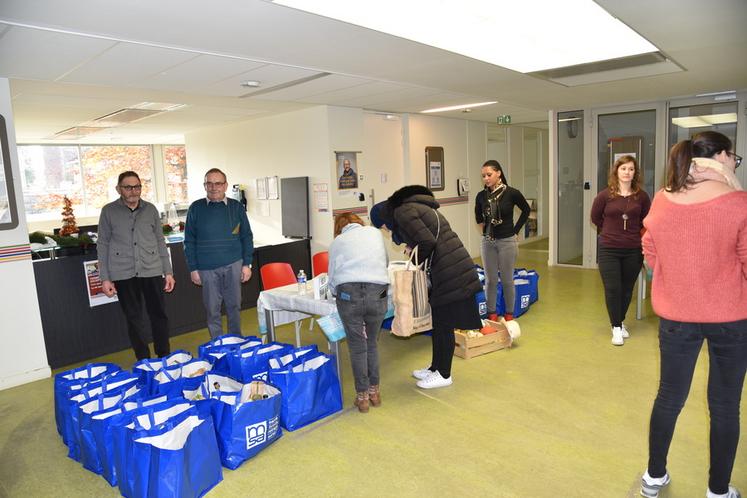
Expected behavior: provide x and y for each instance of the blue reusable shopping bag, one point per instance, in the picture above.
(65, 383)
(482, 304)
(310, 390)
(180, 462)
(173, 380)
(151, 420)
(224, 343)
(522, 298)
(101, 428)
(244, 426)
(202, 394)
(253, 363)
(533, 277)
(147, 369)
(70, 411)
(289, 357)
(225, 355)
(89, 451)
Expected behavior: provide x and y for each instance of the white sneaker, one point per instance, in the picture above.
(626, 334)
(650, 486)
(434, 380)
(732, 493)
(422, 373)
(617, 336)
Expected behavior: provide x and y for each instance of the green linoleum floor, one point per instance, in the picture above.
(562, 414)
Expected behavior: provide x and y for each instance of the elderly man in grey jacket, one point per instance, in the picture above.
(134, 264)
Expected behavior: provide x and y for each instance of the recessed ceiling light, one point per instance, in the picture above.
(507, 34)
(458, 107)
(251, 84)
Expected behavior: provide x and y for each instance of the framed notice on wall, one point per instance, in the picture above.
(434, 168)
(261, 188)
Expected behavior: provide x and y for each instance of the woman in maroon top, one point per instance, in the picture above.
(618, 213)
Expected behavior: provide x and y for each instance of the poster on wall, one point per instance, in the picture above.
(321, 200)
(96, 296)
(347, 170)
(272, 187)
(261, 188)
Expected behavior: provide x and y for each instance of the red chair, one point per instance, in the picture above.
(277, 275)
(320, 262)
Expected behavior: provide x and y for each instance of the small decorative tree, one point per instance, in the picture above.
(69, 226)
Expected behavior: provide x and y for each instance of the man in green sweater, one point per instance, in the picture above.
(218, 245)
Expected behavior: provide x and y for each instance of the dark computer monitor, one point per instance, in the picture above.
(294, 205)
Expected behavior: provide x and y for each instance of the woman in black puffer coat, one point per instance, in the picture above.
(411, 215)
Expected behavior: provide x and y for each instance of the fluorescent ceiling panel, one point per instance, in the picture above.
(705, 120)
(526, 36)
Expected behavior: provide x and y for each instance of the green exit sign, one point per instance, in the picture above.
(504, 119)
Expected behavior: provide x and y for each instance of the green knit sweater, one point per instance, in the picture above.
(217, 234)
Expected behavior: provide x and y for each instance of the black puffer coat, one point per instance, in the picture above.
(453, 275)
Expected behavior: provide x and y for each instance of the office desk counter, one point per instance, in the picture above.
(75, 332)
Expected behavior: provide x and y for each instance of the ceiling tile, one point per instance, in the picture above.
(269, 75)
(44, 55)
(127, 64)
(200, 73)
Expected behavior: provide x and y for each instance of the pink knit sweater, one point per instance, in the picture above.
(699, 256)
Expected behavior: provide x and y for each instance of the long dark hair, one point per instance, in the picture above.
(613, 182)
(704, 144)
(496, 167)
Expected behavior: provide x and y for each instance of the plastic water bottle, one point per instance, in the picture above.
(301, 279)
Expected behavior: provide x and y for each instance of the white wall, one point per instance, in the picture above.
(303, 143)
(23, 357)
(462, 142)
(285, 145)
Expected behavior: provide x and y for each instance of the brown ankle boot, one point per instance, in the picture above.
(374, 395)
(361, 401)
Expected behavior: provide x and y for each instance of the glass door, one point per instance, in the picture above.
(570, 188)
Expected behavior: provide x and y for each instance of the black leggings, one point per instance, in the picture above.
(619, 269)
(443, 350)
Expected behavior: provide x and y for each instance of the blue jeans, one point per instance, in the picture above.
(680, 344)
(362, 307)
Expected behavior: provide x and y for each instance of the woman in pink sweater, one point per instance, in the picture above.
(696, 243)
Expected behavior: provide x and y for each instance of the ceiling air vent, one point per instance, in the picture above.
(636, 66)
(124, 116)
(77, 132)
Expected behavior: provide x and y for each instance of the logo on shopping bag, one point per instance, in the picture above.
(482, 308)
(524, 302)
(256, 434)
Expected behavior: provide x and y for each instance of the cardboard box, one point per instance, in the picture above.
(469, 347)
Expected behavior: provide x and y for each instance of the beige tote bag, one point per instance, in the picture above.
(412, 311)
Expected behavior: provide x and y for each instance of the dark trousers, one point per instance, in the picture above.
(362, 307)
(680, 344)
(443, 349)
(619, 269)
(131, 293)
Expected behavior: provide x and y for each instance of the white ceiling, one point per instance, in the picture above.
(70, 62)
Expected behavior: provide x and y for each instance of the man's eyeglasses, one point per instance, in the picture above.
(737, 159)
(213, 184)
(130, 188)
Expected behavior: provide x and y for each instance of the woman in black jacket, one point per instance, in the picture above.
(411, 215)
(494, 212)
